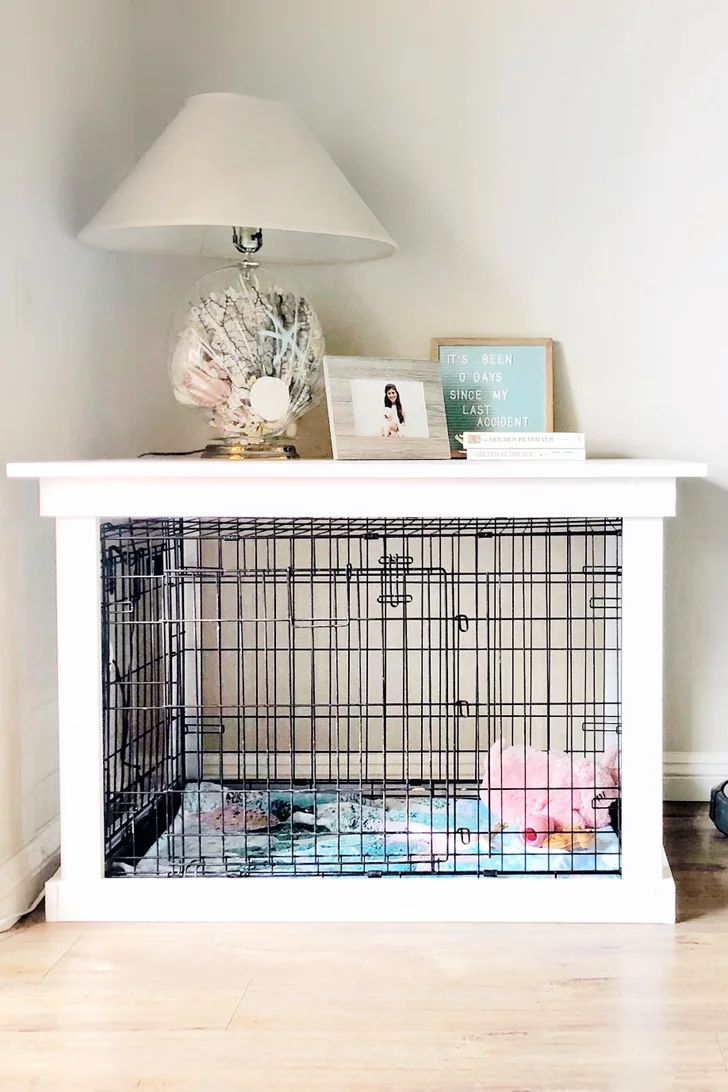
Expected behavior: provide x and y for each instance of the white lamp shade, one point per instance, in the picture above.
(235, 161)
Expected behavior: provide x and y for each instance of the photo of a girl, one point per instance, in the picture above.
(393, 421)
(402, 417)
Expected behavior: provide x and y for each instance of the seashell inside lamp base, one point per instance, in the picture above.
(251, 354)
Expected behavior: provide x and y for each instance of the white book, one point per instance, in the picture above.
(536, 440)
(485, 454)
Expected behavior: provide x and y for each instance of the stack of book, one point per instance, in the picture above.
(524, 445)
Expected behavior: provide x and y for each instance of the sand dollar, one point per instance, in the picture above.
(269, 398)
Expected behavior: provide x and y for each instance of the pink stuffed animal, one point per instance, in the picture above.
(540, 792)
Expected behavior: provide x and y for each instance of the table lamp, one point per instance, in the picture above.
(236, 177)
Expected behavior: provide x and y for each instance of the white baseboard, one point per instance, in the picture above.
(22, 876)
(348, 898)
(690, 775)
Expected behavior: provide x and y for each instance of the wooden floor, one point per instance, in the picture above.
(446, 1008)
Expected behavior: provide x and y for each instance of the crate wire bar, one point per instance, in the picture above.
(320, 696)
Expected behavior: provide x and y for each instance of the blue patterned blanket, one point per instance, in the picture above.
(223, 831)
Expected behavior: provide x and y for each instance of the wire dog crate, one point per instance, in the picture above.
(376, 697)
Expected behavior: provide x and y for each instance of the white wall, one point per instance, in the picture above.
(76, 379)
(548, 169)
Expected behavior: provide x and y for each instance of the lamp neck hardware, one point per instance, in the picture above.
(247, 240)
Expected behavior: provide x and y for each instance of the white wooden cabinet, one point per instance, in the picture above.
(80, 495)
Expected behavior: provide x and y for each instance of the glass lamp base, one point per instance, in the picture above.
(239, 447)
(249, 353)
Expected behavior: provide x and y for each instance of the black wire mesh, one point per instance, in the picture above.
(369, 696)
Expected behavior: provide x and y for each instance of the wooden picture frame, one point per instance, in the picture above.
(365, 426)
(495, 384)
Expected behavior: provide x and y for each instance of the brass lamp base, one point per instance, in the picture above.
(238, 448)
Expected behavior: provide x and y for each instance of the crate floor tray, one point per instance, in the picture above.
(224, 831)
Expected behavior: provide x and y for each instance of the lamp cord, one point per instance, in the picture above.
(173, 454)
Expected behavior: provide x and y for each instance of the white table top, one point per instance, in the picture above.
(458, 470)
